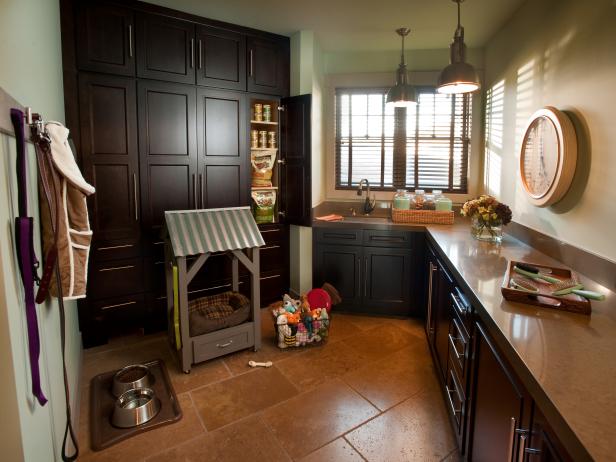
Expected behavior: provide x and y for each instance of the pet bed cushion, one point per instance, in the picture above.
(215, 312)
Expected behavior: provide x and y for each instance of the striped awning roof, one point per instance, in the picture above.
(193, 232)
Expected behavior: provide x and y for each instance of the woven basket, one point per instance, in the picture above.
(437, 217)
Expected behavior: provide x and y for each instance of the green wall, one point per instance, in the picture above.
(31, 72)
(559, 53)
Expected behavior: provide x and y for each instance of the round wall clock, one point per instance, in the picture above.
(548, 156)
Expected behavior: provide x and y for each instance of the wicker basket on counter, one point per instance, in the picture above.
(437, 217)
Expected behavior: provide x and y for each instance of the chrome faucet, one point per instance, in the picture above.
(369, 203)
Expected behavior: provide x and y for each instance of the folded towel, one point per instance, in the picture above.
(332, 217)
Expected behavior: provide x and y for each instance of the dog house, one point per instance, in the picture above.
(215, 325)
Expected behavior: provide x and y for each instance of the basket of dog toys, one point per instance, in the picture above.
(303, 322)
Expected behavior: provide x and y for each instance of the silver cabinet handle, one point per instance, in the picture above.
(282, 161)
(200, 54)
(269, 247)
(201, 190)
(117, 305)
(430, 281)
(114, 247)
(250, 56)
(522, 448)
(269, 277)
(130, 40)
(135, 197)
(365, 276)
(192, 53)
(224, 345)
(194, 185)
(359, 275)
(452, 342)
(116, 268)
(511, 439)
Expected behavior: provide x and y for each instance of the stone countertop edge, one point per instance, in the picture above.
(562, 358)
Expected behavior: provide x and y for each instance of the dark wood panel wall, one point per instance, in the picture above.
(158, 104)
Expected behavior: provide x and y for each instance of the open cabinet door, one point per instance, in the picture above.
(295, 154)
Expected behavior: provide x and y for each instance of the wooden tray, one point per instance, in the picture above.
(102, 433)
(571, 302)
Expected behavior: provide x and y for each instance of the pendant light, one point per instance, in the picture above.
(459, 76)
(402, 94)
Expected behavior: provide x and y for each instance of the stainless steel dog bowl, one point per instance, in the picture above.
(130, 377)
(135, 407)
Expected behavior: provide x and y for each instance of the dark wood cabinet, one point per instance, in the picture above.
(387, 274)
(268, 61)
(542, 445)
(224, 166)
(442, 318)
(110, 161)
(157, 103)
(431, 295)
(221, 58)
(105, 37)
(165, 48)
(340, 265)
(501, 406)
(295, 153)
(371, 279)
(168, 150)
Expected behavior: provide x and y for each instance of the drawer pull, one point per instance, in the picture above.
(114, 247)
(387, 238)
(270, 277)
(224, 345)
(269, 231)
(450, 392)
(339, 236)
(117, 268)
(452, 342)
(158, 243)
(269, 247)
(457, 305)
(117, 305)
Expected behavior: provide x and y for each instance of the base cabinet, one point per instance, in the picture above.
(374, 271)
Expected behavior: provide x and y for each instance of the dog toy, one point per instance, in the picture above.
(256, 364)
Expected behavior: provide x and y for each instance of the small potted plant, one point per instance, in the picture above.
(488, 216)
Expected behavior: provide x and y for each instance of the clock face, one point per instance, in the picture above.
(541, 157)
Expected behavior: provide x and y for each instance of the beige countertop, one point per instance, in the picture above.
(566, 360)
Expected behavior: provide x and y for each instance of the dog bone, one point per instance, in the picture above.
(256, 364)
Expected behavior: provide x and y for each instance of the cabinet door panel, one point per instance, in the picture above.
(442, 318)
(105, 38)
(500, 405)
(223, 153)
(295, 151)
(341, 267)
(221, 59)
(268, 67)
(168, 150)
(108, 122)
(387, 280)
(165, 49)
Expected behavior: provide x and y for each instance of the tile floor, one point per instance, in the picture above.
(369, 394)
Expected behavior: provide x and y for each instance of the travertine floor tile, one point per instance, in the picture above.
(200, 374)
(393, 379)
(337, 451)
(319, 364)
(247, 440)
(380, 341)
(225, 402)
(416, 430)
(364, 322)
(312, 419)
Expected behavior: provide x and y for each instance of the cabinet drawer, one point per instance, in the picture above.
(226, 341)
(120, 311)
(461, 307)
(115, 278)
(456, 400)
(378, 238)
(273, 233)
(339, 236)
(114, 250)
(458, 347)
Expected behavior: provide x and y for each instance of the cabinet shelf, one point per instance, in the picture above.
(262, 122)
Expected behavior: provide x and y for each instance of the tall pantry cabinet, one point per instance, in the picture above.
(159, 104)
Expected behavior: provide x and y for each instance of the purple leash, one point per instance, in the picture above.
(28, 263)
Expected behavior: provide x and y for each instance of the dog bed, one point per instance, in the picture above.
(215, 312)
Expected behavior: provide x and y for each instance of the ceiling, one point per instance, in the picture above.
(360, 24)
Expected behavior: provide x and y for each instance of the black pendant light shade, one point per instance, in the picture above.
(459, 76)
(402, 94)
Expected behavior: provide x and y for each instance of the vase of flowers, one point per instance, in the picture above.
(488, 216)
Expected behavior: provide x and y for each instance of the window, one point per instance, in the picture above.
(426, 148)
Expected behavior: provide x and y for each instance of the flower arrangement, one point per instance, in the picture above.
(488, 216)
